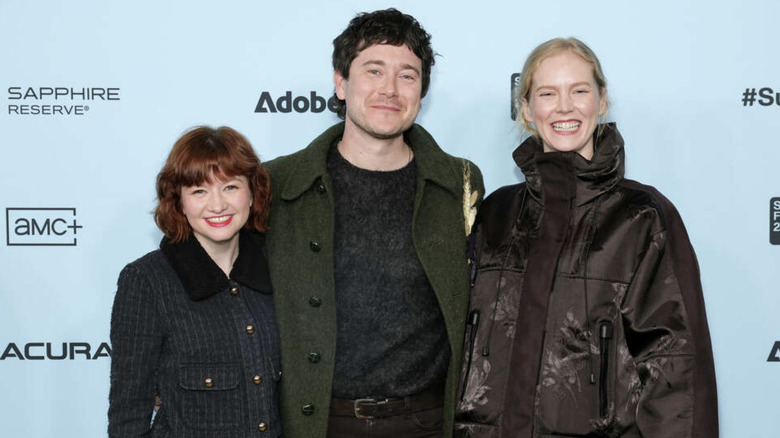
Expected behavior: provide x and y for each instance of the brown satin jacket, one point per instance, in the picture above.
(586, 315)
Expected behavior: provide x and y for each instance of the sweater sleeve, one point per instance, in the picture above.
(667, 336)
(136, 341)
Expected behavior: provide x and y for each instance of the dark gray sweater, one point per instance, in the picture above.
(391, 337)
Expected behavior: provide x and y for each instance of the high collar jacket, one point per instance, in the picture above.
(206, 344)
(587, 316)
(300, 245)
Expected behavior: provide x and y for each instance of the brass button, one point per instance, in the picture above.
(209, 382)
(262, 427)
(315, 301)
(307, 409)
(314, 357)
(234, 290)
(250, 329)
(257, 379)
(315, 246)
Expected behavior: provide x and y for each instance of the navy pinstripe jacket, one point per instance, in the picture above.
(206, 344)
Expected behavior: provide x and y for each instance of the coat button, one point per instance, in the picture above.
(315, 301)
(262, 427)
(233, 290)
(314, 357)
(250, 329)
(321, 188)
(257, 380)
(307, 409)
(208, 382)
(315, 246)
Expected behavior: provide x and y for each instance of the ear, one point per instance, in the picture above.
(603, 103)
(340, 83)
(526, 107)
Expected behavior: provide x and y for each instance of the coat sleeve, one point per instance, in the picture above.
(136, 341)
(667, 336)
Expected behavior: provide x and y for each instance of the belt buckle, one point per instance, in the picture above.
(364, 401)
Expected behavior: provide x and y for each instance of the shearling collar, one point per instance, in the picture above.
(202, 278)
(429, 159)
(592, 177)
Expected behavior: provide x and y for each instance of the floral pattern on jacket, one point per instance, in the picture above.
(563, 362)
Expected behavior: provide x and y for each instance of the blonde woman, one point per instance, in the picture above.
(586, 316)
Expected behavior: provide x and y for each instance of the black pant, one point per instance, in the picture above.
(420, 424)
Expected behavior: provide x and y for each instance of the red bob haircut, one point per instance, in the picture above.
(199, 155)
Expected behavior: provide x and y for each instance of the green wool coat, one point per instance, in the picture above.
(300, 252)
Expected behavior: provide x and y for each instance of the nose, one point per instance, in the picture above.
(389, 87)
(216, 202)
(565, 103)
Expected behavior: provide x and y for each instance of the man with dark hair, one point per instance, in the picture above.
(389, 27)
(367, 243)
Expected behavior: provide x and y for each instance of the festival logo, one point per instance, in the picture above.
(513, 86)
(774, 221)
(766, 97)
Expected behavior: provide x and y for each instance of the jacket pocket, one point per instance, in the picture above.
(605, 339)
(210, 395)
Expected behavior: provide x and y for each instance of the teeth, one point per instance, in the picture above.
(566, 126)
(218, 220)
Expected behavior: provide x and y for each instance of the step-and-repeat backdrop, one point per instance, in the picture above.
(94, 93)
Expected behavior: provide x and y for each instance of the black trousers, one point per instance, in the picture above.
(420, 424)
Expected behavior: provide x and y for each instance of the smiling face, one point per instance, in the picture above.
(564, 104)
(383, 91)
(217, 210)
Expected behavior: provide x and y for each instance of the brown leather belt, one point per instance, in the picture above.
(371, 408)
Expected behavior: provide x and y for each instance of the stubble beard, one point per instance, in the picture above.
(380, 134)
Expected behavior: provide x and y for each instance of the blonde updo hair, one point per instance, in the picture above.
(540, 53)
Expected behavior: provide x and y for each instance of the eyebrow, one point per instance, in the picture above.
(576, 84)
(381, 63)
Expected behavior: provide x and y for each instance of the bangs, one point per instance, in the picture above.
(207, 162)
(208, 155)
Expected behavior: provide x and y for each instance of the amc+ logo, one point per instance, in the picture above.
(41, 226)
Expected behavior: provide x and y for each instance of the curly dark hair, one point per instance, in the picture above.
(387, 26)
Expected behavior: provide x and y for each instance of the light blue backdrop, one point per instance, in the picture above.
(677, 71)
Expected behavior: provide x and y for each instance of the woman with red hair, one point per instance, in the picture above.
(193, 322)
